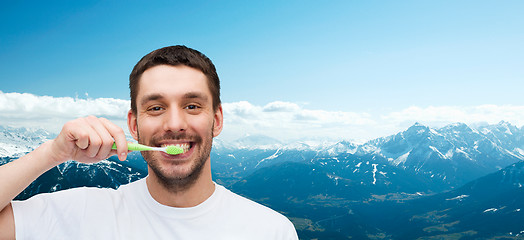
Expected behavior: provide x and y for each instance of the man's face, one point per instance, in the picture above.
(174, 107)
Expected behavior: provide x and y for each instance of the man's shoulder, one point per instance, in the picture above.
(256, 218)
(136, 185)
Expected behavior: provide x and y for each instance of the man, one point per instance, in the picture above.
(175, 100)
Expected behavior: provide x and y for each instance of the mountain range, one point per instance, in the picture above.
(437, 159)
(15, 142)
(454, 182)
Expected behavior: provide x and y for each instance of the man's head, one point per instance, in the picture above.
(175, 101)
(175, 56)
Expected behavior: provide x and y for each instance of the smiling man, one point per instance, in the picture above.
(175, 100)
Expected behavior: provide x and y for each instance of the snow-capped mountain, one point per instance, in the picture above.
(15, 142)
(110, 173)
(441, 158)
(344, 189)
(454, 154)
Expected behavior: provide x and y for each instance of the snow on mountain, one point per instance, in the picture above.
(340, 148)
(448, 156)
(418, 161)
(14, 142)
(455, 153)
(275, 155)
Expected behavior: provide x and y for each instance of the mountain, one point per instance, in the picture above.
(231, 165)
(14, 142)
(489, 207)
(444, 158)
(452, 155)
(326, 207)
(419, 159)
(427, 183)
(350, 190)
(110, 173)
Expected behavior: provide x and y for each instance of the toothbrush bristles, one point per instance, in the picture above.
(174, 150)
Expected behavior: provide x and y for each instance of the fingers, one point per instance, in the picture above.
(119, 138)
(100, 139)
(94, 138)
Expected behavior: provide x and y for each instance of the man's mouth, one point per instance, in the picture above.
(185, 146)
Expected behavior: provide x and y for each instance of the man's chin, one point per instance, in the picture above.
(176, 180)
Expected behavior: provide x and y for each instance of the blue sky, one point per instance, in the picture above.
(369, 58)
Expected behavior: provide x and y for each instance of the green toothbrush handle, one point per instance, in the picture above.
(134, 147)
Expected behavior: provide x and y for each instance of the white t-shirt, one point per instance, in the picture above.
(131, 213)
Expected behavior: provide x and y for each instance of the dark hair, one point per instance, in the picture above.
(175, 56)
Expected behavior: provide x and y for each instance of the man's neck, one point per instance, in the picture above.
(192, 196)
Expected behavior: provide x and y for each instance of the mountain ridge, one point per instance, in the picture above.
(419, 183)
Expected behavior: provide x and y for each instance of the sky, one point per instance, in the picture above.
(288, 69)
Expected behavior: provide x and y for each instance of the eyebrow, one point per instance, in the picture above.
(195, 95)
(151, 97)
(188, 95)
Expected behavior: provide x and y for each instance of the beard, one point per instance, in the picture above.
(173, 177)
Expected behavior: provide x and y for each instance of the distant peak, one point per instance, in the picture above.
(504, 123)
(418, 125)
(456, 126)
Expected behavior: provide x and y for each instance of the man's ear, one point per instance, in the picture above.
(132, 124)
(218, 121)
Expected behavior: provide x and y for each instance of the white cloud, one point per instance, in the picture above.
(285, 120)
(22, 105)
(279, 106)
(50, 113)
(281, 120)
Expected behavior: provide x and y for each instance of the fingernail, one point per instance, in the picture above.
(122, 156)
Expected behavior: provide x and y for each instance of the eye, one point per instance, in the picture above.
(155, 109)
(192, 107)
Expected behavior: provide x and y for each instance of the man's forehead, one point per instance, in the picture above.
(173, 69)
(164, 77)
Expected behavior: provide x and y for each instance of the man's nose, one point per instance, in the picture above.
(175, 120)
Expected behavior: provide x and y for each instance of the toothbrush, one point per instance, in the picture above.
(173, 150)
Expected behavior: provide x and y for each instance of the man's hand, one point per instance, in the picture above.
(88, 140)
